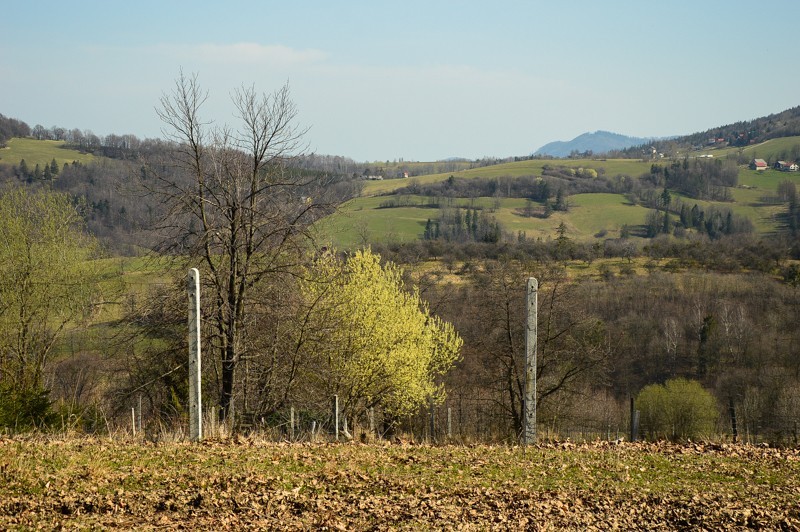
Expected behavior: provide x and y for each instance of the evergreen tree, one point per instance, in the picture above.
(24, 171)
(561, 204)
(699, 217)
(666, 199)
(428, 230)
(460, 228)
(474, 227)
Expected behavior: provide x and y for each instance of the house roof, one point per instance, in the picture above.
(759, 162)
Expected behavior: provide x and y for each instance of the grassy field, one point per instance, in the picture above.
(589, 215)
(40, 152)
(124, 280)
(247, 483)
(611, 167)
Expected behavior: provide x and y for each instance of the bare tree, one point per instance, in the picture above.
(235, 207)
(573, 347)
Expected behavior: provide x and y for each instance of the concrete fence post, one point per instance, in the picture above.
(432, 420)
(531, 331)
(336, 416)
(195, 391)
(449, 423)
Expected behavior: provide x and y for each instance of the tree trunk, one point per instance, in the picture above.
(228, 374)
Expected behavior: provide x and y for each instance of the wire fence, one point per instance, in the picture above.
(464, 417)
(458, 420)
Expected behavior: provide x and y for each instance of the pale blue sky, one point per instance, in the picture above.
(418, 80)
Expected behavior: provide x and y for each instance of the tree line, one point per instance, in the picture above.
(741, 134)
(11, 127)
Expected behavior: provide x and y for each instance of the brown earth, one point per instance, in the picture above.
(248, 484)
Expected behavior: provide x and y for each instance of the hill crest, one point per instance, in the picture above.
(596, 142)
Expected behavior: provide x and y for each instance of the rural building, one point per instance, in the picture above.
(785, 166)
(758, 164)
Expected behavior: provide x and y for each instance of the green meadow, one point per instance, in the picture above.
(589, 216)
(609, 167)
(363, 219)
(40, 152)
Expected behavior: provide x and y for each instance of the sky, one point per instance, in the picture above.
(412, 80)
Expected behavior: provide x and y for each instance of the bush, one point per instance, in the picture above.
(23, 409)
(677, 410)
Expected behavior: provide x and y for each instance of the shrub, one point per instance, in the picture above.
(23, 409)
(677, 410)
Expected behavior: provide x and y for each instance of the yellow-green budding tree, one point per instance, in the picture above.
(369, 340)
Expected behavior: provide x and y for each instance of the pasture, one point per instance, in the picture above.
(609, 167)
(40, 152)
(363, 219)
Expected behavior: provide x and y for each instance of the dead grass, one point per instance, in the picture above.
(51, 482)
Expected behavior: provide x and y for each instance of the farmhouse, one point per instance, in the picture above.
(758, 164)
(784, 166)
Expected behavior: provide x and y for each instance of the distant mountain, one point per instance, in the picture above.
(597, 142)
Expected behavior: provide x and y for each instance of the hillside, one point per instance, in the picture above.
(399, 209)
(40, 152)
(741, 134)
(596, 208)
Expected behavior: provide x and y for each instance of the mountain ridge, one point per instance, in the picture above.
(599, 141)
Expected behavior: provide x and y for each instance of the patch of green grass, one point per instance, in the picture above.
(362, 218)
(40, 152)
(591, 213)
(773, 149)
(766, 181)
(124, 282)
(534, 167)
